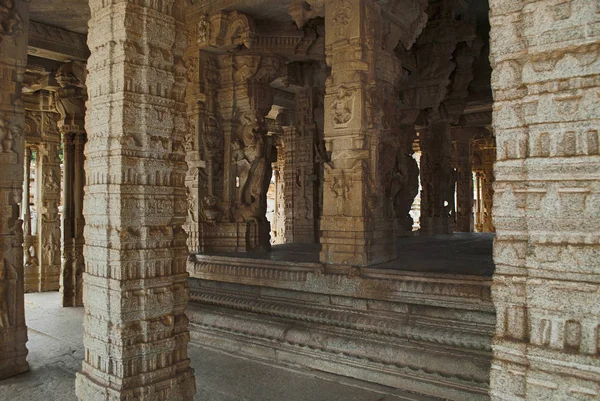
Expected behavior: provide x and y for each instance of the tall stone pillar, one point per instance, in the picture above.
(135, 283)
(463, 138)
(438, 177)
(14, 23)
(361, 128)
(67, 285)
(71, 105)
(49, 188)
(302, 169)
(485, 156)
(545, 289)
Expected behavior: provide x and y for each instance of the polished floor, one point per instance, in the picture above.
(459, 253)
(56, 350)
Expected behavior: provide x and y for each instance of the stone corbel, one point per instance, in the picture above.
(406, 21)
(71, 97)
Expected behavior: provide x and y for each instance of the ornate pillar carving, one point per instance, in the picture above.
(48, 183)
(484, 158)
(14, 23)
(546, 200)
(71, 99)
(135, 284)
(361, 127)
(304, 155)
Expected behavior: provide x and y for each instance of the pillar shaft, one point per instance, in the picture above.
(546, 288)
(13, 56)
(48, 182)
(357, 221)
(135, 284)
(464, 178)
(438, 178)
(67, 285)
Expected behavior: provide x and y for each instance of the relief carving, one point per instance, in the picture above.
(342, 108)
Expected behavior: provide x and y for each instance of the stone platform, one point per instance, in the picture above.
(459, 253)
(421, 323)
(56, 350)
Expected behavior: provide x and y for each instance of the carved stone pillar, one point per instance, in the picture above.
(302, 170)
(280, 225)
(135, 283)
(546, 211)
(484, 151)
(48, 183)
(71, 105)
(67, 277)
(361, 129)
(463, 138)
(14, 22)
(438, 177)
(30, 260)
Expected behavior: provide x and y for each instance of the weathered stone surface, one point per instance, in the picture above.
(546, 115)
(135, 283)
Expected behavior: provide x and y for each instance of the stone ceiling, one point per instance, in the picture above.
(72, 15)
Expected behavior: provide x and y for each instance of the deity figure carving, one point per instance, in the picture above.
(204, 30)
(342, 108)
(52, 250)
(51, 181)
(252, 153)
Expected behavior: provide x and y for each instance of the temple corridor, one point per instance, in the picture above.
(56, 351)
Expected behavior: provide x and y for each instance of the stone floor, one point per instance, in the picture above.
(459, 253)
(56, 349)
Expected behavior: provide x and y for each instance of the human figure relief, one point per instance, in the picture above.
(342, 108)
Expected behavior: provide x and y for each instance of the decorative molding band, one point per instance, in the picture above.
(449, 291)
(454, 375)
(365, 321)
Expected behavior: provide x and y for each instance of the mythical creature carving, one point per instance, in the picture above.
(252, 153)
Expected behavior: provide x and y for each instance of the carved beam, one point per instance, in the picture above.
(56, 44)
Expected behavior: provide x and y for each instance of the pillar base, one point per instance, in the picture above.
(13, 352)
(235, 237)
(182, 387)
